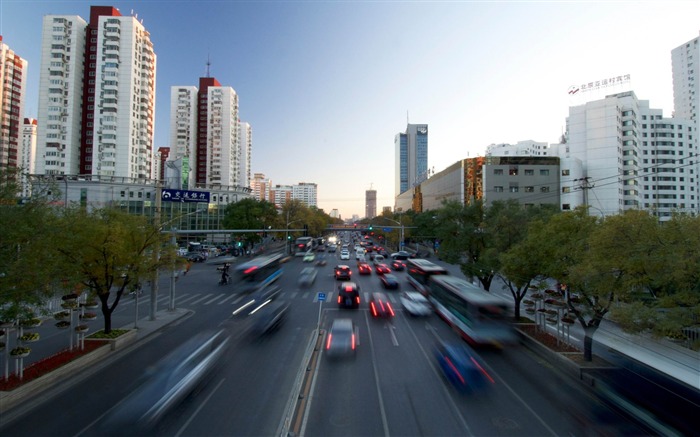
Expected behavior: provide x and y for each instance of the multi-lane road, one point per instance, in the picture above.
(392, 386)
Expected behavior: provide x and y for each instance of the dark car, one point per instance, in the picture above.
(342, 272)
(380, 306)
(195, 257)
(398, 265)
(269, 317)
(349, 295)
(389, 281)
(382, 269)
(462, 367)
(342, 339)
(257, 300)
(364, 268)
(169, 381)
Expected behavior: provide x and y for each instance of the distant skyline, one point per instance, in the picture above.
(326, 86)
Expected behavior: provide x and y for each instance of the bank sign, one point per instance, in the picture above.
(184, 196)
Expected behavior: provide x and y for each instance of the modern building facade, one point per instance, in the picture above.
(246, 150)
(411, 157)
(280, 194)
(96, 96)
(13, 81)
(261, 187)
(370, 204)
(685, 65)
(183, 130)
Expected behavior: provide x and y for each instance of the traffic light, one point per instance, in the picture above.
(240, 244)
(370, 227)
(289, 237)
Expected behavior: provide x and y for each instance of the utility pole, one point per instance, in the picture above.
(156, 252)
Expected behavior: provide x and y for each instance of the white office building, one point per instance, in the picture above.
(306, 193)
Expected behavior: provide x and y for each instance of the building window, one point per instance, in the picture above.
(498, 171)
(566, 207)
(565, 172)
(566, 189)
(529, 172)
(513, 188)
(529, 189)
(544, 189)
(498, 189)
(513, 170)
(544, 172)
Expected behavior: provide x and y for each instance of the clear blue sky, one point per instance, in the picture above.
(326, 85)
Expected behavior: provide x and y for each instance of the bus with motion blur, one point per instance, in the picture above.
(420, 271)
(480, 317)
(303, 245)
(257, 273)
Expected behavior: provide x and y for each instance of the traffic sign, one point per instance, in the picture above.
(321, 297)
(386, 229)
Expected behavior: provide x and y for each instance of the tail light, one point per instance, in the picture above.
(454, 369)
(340, 299)
(391, 310)
(357, 299)
(482, 370)
(353, 341)
(328, 343)
(374, 310)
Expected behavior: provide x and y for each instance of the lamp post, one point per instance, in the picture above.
(286, 252)
(400, 224)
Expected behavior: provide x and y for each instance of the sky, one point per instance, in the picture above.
(326, 85)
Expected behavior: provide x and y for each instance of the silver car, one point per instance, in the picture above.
(415, 303)
(342, 339)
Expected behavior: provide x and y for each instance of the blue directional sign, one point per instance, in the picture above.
(386, 229)
(184, 196)
(321, 297)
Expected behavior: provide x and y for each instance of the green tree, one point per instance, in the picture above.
(27, 263)
(250, 213)
(108, 251)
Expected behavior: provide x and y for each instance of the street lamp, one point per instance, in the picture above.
(286, 252)
(400, 224)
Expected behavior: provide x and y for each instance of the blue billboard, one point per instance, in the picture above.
(184, 196)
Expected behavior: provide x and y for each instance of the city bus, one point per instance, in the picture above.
(480, 317)
(303, 245)
(257, 273)
(420, 271)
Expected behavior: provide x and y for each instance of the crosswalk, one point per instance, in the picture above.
(204, 299)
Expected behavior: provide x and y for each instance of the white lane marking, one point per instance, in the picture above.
(206, 296)
(215, 299)
(385, 423)
(231, 296)
(199, 408)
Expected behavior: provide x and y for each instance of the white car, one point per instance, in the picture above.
(415, 303)
(344, 254)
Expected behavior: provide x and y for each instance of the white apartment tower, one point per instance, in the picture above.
(96, 96)
(305, 192)
(28, 154)
(205, 131)
(246, 137)
(13, 81)
(685, 63)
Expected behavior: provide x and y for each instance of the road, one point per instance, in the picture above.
(392, 387)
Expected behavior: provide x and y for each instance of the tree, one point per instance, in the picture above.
(250, 213)
(27, 263)
(108, 251)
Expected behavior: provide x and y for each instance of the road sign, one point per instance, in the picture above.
(321, 297)
(184, 196)
(386, 229)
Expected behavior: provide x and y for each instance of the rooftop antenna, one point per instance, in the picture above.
(208, 65)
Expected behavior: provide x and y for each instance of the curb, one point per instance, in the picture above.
(10, 399)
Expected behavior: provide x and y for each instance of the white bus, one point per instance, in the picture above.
(420, 271)
(303, 245)
(257, 273)
(480, 317)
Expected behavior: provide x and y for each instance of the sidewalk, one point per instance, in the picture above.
(20, 400)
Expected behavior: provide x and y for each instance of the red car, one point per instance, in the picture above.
(382, 268)
(364, 268)
(398, 265)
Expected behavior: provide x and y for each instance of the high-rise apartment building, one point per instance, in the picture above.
(280, 194)
(370, 204)
(411, 157)
(261, 187)
(28, 154)
(246, 149)
(96, 96)
(685, 65)
(205, 133)
(306, 193)
(13, 80)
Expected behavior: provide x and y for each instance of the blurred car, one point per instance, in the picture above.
(344, 254)
(389, 281)
(269, 318)
(321, 248)
(195, 257)
(321, 261)
(307, 276)
(257, 300)
(342, 272)
(348, 295)
(380, 306)
(164, 385)
(398, 265)
(415, 303)
(378, 259)
(382, 269)
(342, 338)
(364, 268)
(462, 367)
(400, 255)
(309, 257)
(332, 248)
